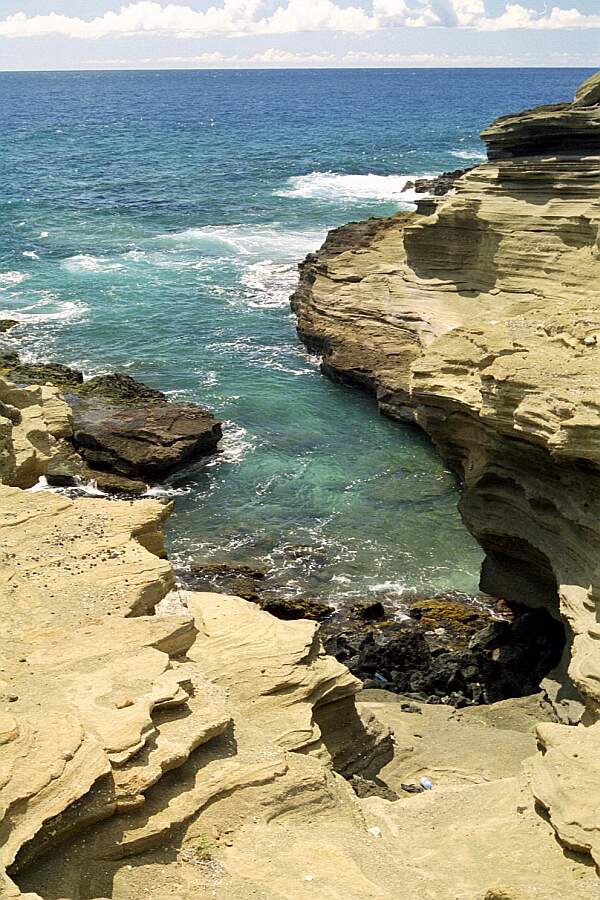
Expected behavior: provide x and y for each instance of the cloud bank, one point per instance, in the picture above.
(246, 17)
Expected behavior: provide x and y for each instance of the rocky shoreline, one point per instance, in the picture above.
(117, 432)
(477, 319)
(122, 436)
(171, 743)
(450, 648)
(167, 742)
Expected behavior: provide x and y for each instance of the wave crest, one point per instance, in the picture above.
(336, 187)
(469, 154)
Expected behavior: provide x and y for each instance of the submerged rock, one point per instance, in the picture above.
(7, 324)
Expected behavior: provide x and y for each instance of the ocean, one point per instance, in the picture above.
(152, 222)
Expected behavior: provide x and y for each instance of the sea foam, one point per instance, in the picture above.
(335, 187)
(257, 241)
(85, 263)
(9, 279)
(469, 154)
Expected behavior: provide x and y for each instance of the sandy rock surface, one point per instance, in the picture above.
(196, 752)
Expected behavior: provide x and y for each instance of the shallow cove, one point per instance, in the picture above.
(151, 222)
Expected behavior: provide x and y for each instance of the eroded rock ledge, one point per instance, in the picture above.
(480, 322)
(166, 743)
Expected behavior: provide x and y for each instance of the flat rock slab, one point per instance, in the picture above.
(144, 441)
(454, 747)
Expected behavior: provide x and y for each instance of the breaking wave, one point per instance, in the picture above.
(335, 187)
(469, 154)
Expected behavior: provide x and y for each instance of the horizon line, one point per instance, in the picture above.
(287, 68)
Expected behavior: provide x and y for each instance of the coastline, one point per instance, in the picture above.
(184, 742)
(475, 320)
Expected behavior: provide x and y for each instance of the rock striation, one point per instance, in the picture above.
(477, 318)
(121, 722)
(159, 742)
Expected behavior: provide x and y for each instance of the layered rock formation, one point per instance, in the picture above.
(118, 727)
(478, 318)
(166, 743)
(163, 743)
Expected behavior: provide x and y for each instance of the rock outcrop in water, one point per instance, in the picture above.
(478, 318)
(111, 429)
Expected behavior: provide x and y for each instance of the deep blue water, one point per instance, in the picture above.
(151, 222)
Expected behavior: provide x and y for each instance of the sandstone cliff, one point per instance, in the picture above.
(170, 744)
(163, 743)
(478, 318)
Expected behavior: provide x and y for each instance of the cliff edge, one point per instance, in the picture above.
(163, 743)
(478, 318)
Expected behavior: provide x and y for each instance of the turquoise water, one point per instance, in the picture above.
(152, 223)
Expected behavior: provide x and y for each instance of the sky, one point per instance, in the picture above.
(148, 34)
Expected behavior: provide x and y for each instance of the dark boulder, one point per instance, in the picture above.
(8, 359)
(146, 441)
(295, 608)
(438, 185)
(62, 377)
(120, 389)
(369, 611)
(68, 469)
(473, 661)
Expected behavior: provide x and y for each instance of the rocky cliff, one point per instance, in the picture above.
(478, 318)
(193, 752)
(163, 743)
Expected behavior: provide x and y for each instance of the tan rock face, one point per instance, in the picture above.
(480, 321)
(119, 727)
(32, 421)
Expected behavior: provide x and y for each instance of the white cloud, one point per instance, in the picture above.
(517, 16)
(274, 57)
(239, 17)
(318, 15)
(145, 17)
(468, 12)
(397, 14)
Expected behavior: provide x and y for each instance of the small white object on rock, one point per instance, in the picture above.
(375, 830)
(309, 877)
